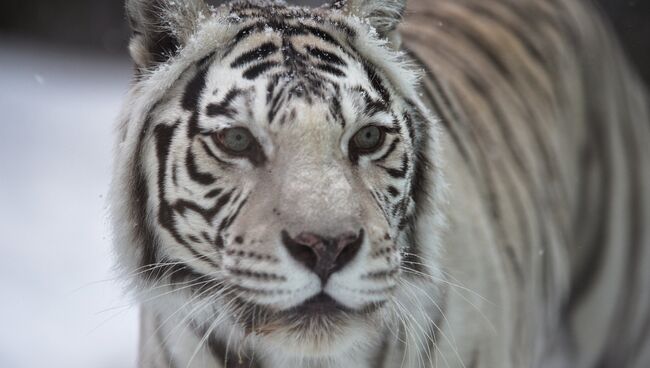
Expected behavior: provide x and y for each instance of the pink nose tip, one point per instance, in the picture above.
(323, 255)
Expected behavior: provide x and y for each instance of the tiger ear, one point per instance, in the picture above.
(383, 15)
(161, 27)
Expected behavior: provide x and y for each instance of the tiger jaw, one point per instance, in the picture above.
(319, 327)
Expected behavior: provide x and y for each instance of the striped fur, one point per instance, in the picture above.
(503, 221)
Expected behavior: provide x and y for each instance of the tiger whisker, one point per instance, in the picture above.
(464, 298)
(447, 282)
(148, 299)
(408, 330)
(207, 302)
(451, 342)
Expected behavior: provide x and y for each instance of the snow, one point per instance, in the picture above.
(61, 306)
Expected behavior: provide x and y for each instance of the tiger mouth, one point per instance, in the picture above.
(319, 310)
(319, 305)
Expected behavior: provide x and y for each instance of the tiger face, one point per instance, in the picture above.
(276, 176)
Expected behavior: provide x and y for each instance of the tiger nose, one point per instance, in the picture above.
(323, 255)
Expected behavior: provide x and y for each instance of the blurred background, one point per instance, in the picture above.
(63, 74)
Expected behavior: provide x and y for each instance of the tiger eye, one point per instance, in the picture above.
(368, 139)
(236, 139)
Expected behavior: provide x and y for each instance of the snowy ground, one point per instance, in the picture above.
(59, 306)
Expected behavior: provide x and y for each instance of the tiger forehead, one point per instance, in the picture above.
(283, 16)
(279, 67)
(282, 99)
(299, 47)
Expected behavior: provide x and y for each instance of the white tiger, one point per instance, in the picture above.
(330, 187)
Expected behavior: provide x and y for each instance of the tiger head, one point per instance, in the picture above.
(271, 166)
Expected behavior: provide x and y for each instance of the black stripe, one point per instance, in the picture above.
(193, 91)
(183, 277)
(191, 98)
(376, 196)
(376, 81)
(408, 120)
(323, 35)
(374, 106)
(337, 111)
(213, 193)
(225, 224)
(388, 152)
(398, 173)
(223, 108)
(218, 242)
(193, 170)
(392, 191)
(325, 56)
(330, 69)
(285, 29)
(263, 276)
(142, 232)
(240, 36)
(261, 52)
(270, 88)
(275, 106)
(139, 198)
(255, 71)
(163, 135)
(207, 150)
(181, 206)
(175, 173)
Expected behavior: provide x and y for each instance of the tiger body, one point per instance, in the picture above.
(503, 219)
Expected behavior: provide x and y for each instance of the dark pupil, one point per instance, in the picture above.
(368, 137)
(237, 140)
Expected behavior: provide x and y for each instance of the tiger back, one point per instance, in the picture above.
(551, 125)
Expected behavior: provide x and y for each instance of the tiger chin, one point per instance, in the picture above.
(339, 187)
